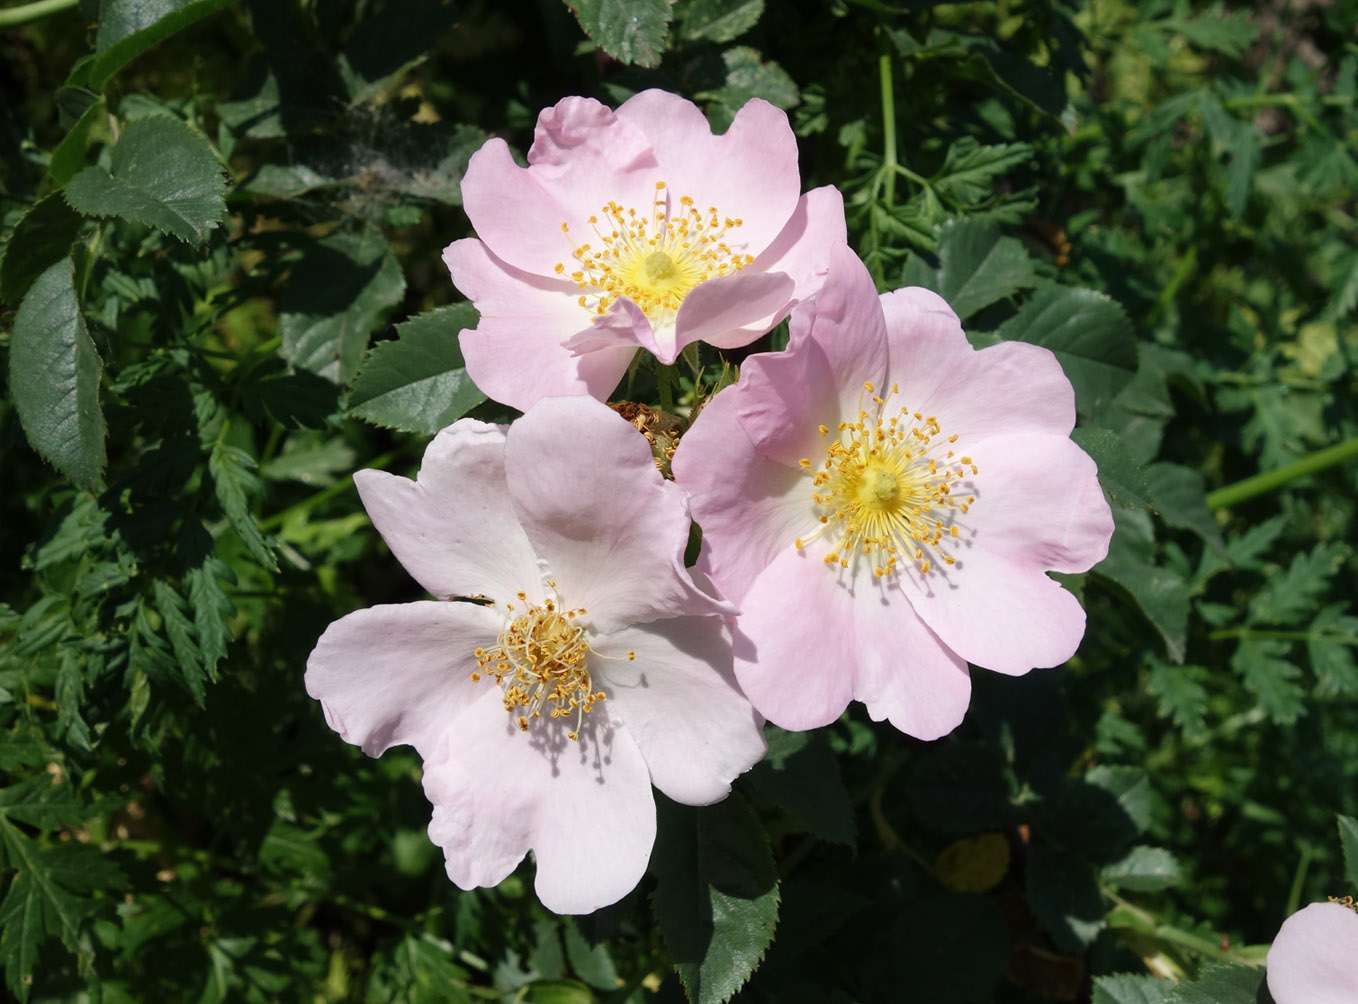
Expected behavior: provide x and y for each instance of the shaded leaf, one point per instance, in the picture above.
(1182, 698)
(953, 947)
(1262, 664)
(1220, 984)
(1064, 896)
(976, 266)
(1090, 334)
(234, 479)
(42, 237)
(54, 375)
(1330, 643)
(417, 383)
(1119, 474)
(1124, 988)
(801, 774)
(717, 894)
(1160, 593)
(333, 301)
(1181, 500)
(127, 28)
(161, 175)
(1143, 869)
(969, 170)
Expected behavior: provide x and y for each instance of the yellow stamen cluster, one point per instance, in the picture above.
(653, 260)
(886, 488)
(541, 662)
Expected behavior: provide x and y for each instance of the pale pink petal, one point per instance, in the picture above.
(453, 528)
(996, 611)
(904, 673)
(582, 156)
(1038, 499)
(609, 529)
(749, 508)
(1312, 958)
(1009, 387)
(517, 352)
(584, 808)
(721, 311)
(749, 172)
(795, 642)
(780, 402)
(803, 249)
(679, 700)
(400, 673)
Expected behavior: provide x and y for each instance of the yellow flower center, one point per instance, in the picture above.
(541, 662)
(885, 489)
(652, 259)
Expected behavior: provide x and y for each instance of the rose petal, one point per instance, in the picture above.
(585, 808)
(610, 530)
(904, 672)
(750, 508)
(399, 673)
(795, 642)
(679, 700)
(1311, 960)
(519, 351)
(721, 311)
(453, 528)
(749, 172)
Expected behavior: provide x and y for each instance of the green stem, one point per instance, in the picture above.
(1231, 495)
(31, 12)
(888, 127)
(664, 382)
(1227, 633)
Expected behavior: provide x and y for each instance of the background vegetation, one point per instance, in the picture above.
(221, 294)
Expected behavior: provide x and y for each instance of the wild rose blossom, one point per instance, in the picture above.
(1312, 958)
(586, 667)
(633, 228)
(882, 502)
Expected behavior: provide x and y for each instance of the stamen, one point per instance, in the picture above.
(883, 493)
(655, 260)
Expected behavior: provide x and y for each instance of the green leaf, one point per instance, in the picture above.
(632, 31)
(976, 266)
(591, 963)
(969, 170)
(1144, 869)
(1245, 157)
(161, 175)
(716, 896)
(334, 300)
(1181, 500)
(1160, 593)
(42, 237)
(417, 383)
(183, 639)
(1090, 334)
(1124, 988)
(748, 76)
(1220, 984)
(801, 774)
(212, 609)
(1267, 673)
(1064, 896)
(719, 20)
(1119, 474)
(234, 479)
(1182, 698)
(54, 375)
(127, 28)
(1287, 597)
(1330, 643)
(1348, 838)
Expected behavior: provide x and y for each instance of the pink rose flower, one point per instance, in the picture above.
(586, 667)
(1312, 958)
(633, 228)
(883, 502)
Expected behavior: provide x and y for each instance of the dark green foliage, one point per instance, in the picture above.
(221, 293)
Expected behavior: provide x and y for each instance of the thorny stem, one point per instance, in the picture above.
(1241, 491)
